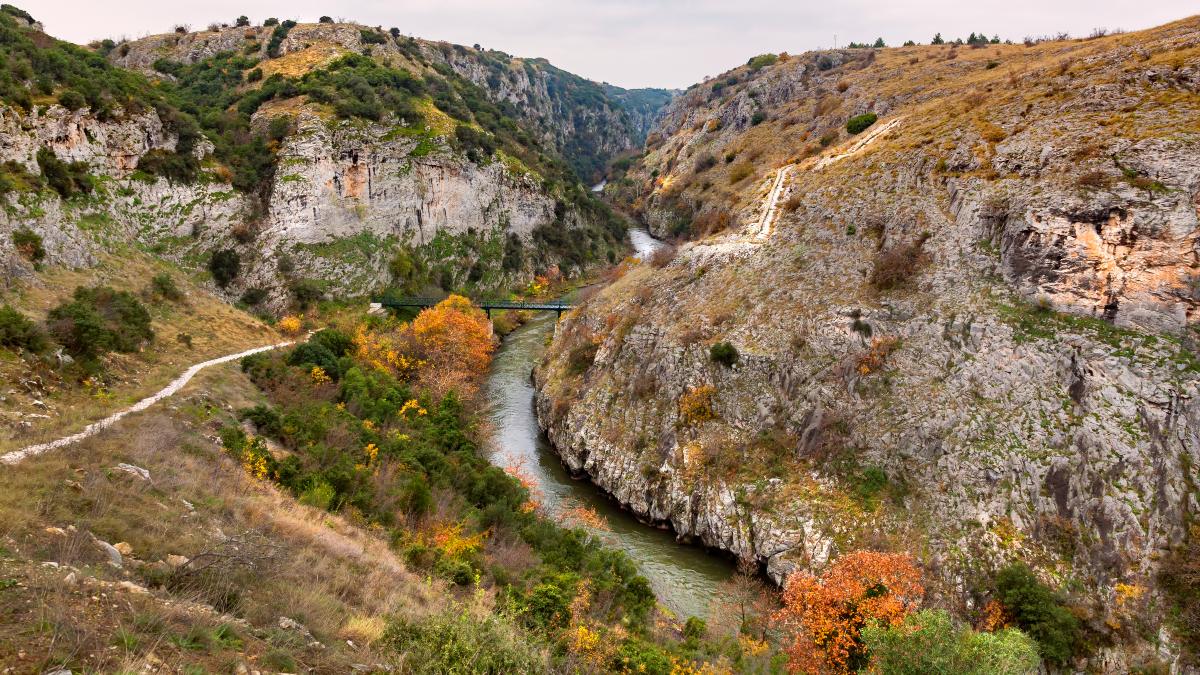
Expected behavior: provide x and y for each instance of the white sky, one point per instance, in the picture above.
(631, 43)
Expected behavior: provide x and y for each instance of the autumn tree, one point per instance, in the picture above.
(744, 604)
(828, 613)
(455, 339)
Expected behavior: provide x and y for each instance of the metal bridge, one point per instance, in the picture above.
(558, 306)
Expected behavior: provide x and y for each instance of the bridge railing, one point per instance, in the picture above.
(486, 304)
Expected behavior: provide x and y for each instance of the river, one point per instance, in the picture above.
(684, 577)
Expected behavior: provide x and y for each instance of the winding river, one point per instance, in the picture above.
(684, 577)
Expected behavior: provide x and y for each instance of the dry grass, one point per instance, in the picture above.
(216, 329)
(298, 63)
(336, 579)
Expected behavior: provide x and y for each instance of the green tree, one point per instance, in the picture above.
(1038, 611)
(929, 643)
(937, 40)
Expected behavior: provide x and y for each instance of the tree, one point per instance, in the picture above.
(879, 43)
(929, 643)
(743, 604)
(242, 21)
(1038, 611)
(325, 19)
(225, 265)
(828, 613)
(937, 40)
(455, 339)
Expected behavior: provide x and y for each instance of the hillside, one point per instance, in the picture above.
(933, 299)
(290, 166)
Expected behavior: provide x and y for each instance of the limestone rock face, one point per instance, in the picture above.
(612, 121)
(1029, 390)
(345, 195)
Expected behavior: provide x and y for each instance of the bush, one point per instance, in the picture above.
(859, 123)
(71, 100)
(312, 353)
(164, 286)
(371, 37)
(18, 332)
(929, 642)
(757, 118)
(705, 162)
(762, 61)
(740, 171)
(67, 179)
(325, 19)
(100, 320)
(894, 266)
(253, 297)
(174, 166)
(225, 266)
(29, 244)
(581, 357)
(306, 291)
(242, 21)
(338, 343)
(723, 353)
(1038, 611)
(448, 642)
(1179, 576)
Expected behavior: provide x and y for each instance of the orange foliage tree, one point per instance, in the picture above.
(827, 613)
(448, 346)
(455, 339)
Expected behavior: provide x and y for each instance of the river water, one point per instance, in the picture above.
(684, 577)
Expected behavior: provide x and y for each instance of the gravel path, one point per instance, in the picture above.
(90, 430)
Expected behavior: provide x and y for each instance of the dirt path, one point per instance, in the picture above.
(90, 430)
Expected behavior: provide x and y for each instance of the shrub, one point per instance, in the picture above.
(313, 353)
(696, 405)
(67, 179)
(318, 495)
(29, 244)
(272, 21)
(184, 339)
(242, 21)
(894, 266)
(164, 286)
(828, 613)
(1038, 611)
(740, 172)
(337, 342)
(859, 123)
(71, 100)
(582, 357)
(325, 19)
(371, 37)
(1179, 576)
(174, 166)
(929, 642)
(18, 332)
(723, 353)
(253, 297)
(705, 162)
(306, 291)
(447, 642)
(225, 265)
(254, 75)
(100, 320)
(757, 118)
(762, 61)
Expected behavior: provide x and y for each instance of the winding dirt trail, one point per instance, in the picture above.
(92, 429)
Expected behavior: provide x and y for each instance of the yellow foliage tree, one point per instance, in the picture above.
(455, 339)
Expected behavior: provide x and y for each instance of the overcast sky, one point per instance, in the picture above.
(631, 43)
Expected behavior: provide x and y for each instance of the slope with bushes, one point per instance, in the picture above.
(968, 333)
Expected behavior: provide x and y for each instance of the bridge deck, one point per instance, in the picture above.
(544, 305)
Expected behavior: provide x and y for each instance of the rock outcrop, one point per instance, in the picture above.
(972, 337)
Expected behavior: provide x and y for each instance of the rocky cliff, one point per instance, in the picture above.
(587, 123)
(333, 196)
(968, 331)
